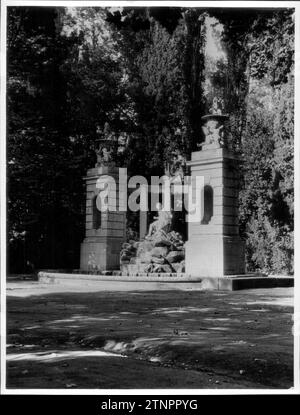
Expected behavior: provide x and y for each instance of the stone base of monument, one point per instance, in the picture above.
(116, 281)
(228, 253)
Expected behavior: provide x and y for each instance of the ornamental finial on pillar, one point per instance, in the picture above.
(107, 149)
(213, 127)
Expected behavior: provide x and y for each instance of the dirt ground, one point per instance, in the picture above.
(62, 337)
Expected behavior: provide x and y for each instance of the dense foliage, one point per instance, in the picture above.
(145, 72)
(43, 193)
(267, 199)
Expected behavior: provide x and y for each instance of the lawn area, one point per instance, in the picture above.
(63, 337)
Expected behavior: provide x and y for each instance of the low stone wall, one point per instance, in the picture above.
(163, 281)
(118, 276)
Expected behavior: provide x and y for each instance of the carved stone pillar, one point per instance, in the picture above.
(214, 247)
(104, 231)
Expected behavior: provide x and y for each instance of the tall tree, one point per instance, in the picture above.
(38, 148)
(164, 61)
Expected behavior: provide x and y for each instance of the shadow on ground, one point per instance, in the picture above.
(161, 339)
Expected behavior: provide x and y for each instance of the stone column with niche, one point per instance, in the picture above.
(214, 247)
(105, 232)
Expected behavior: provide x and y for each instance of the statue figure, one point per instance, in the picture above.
(217, 106)
(103, 155)
(176, 166)
(161, 224)
(214, 125)
(214, 133)
(107, 147)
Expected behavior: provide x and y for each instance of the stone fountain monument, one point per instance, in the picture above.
(161, 259)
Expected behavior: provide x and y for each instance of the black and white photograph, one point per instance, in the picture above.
(149, 156)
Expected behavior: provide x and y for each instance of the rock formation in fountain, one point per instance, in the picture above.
(161, 251)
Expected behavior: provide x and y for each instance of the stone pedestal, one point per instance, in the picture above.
(214, 247)
(105, 231)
